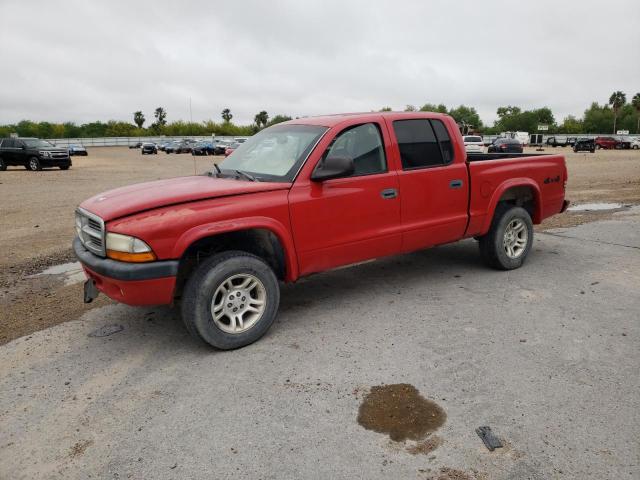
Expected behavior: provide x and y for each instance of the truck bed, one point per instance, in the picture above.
(480, 157)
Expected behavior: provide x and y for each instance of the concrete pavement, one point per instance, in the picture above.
(547, 355)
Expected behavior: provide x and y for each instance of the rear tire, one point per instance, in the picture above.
(508, 241)
(231, 300)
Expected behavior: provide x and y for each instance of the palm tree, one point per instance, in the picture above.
(138, 118)
(226, 115)
(261, 119)
(617, 101)
(635, 101)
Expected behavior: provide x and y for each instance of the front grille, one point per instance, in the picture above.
(90, 229)
(59, 155)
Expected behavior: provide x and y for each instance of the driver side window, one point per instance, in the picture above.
(362, 143)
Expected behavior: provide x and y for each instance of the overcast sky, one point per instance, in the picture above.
(99, 60)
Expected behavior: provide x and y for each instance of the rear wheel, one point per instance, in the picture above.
(33, 164)
(508, 241)
(231, 300)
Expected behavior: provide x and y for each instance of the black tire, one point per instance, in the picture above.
(202, 285)
(64, 167)
(3, 166)
(492, 247)
(33, 164)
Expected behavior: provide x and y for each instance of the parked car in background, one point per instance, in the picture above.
(220, 147)
(505, 145)
(606, 142)
(33, 154)
(136, 145)
(77, 150)
(557, 141)
(240, 140)
(178, 147)
(202, 148)
(184, 146)
(624, 142)
(231, 148)
(635, 143)
(473, 143)
(522, 137)
(584, 145)
(488, 140)
(149, 148)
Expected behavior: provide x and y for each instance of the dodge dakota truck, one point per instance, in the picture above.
(302, 197)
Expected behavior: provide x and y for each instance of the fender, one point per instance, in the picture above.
(503, 187)
(215, 228)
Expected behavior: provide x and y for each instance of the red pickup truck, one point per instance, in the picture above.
(305, 196)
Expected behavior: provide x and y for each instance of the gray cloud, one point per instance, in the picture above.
(82, 61)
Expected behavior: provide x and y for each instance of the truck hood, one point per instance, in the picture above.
(124, 201)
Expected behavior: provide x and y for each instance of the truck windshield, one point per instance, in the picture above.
(276, 153)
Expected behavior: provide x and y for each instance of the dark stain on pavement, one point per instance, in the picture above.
(401, 412)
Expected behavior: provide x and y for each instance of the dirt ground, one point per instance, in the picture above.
(36, 219)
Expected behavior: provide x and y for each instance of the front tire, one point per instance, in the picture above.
(508, 241)
(231, 300)
(34, 164)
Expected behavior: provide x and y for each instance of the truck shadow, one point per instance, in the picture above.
(447, 263)
(161, 328)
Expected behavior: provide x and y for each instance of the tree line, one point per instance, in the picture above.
(159, 126)
(615, 115)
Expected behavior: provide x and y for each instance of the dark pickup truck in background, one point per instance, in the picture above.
(307, 196)
(33, 154)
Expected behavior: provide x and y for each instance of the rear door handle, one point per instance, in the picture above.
(455, 184)
(388, 193)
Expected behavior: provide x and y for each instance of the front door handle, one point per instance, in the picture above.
(455, 184)
(389, 193)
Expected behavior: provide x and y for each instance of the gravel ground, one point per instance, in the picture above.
(547, 355)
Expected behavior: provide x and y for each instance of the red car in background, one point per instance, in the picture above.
(606, 142)
(229, 150)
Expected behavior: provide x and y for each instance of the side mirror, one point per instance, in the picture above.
(333, 167)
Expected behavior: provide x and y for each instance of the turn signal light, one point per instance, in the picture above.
(140, 257)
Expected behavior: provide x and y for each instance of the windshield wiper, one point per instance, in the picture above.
(217, 173)
(246, 175)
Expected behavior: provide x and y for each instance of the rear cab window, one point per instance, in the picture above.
(423, 143)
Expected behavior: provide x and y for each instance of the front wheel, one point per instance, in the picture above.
(34, 164)
(231, 300)
(508, 241)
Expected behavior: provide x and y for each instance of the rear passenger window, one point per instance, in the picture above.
(445, 141)
(363, 144)
(417, 143)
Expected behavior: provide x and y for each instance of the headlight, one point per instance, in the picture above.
(128, 249)
(44, 154)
